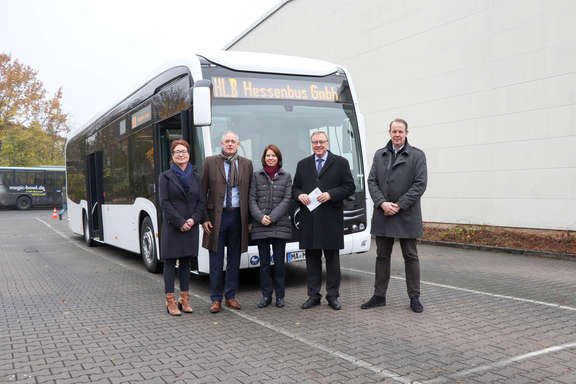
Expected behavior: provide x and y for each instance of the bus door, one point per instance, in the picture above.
(167, 131)
(174, 128)
(54, 188)
(178, 127)
(94, 182)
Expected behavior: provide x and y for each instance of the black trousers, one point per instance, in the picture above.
(314, 269)
(183, 272)
(411, 265)
(269, 280)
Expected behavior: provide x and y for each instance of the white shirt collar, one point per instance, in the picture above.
(323, 157)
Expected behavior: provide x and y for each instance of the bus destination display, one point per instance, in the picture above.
(257, 88)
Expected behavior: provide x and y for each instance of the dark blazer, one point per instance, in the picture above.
(402, 182)
(178, 206)
(323, 228)
(214, 190)
(271, 197)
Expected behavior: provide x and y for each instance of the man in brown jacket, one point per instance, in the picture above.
(226, 183)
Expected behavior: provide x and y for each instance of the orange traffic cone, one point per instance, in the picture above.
(54, 214)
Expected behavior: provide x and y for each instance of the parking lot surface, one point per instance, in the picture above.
(73, 314)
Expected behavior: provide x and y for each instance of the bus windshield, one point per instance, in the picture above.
(289, 125)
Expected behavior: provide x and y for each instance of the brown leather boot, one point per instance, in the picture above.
(171, 306)
(184, 302)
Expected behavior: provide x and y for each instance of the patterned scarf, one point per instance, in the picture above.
(233, 177)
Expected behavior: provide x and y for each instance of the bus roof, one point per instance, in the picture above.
(237, 60)
(141, 94)
(270, 63)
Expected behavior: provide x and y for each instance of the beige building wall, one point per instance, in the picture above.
(488, 88)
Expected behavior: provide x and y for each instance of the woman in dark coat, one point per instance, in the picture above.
(182, 205)
(269, 200)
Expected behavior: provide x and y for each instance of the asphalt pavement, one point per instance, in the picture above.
(73, 314)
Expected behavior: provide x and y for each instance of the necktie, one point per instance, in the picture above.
(229, 189)
(319, 167)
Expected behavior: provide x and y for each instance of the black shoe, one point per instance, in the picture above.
(375, 301)
(264, 302)
(416, 305)
(334, 304)
(311, 302)
(279, 302)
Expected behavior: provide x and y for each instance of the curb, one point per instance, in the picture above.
(489, 248)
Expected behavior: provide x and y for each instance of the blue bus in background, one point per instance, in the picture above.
(27, 187)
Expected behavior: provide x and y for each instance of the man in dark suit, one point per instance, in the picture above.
(322, 228)
(226, 183)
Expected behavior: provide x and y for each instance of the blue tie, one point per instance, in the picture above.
(319, 167)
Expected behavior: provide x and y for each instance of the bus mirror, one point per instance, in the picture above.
(202, 102)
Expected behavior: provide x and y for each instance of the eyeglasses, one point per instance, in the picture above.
(180, 152)
(319, 142)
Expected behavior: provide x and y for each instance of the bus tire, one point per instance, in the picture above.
(87, 238)
(148, 246)
(24, 203)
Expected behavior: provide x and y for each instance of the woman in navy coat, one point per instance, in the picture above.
(182, 204)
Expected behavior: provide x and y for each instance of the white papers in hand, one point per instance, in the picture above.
(314, 203)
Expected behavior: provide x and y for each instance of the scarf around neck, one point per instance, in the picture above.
(233, 178)
(184, 176)
(271, 171)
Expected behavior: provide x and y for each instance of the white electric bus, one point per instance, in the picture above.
(113, 163)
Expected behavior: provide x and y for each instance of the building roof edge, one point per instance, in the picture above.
(272, 11)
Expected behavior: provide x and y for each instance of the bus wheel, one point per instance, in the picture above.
(148, 247)
(87, 238)
(23, 203)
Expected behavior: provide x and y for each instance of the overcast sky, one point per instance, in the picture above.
(100, 51)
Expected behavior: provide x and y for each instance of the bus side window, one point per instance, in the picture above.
(50, 181)
(16, 179)
(25, 178)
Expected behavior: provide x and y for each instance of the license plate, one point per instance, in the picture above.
(295, 256)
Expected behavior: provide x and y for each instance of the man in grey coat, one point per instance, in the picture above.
(396, 183)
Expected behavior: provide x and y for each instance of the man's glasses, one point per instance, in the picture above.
(319, 142)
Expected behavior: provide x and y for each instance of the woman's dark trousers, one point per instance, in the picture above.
(266, 281)
(170, 274)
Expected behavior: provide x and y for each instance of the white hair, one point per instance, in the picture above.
(230, 132)
(316, 133)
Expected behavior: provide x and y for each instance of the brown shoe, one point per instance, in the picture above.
(233, 303)
(171, 306)
(184, 302)
(215, 308)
